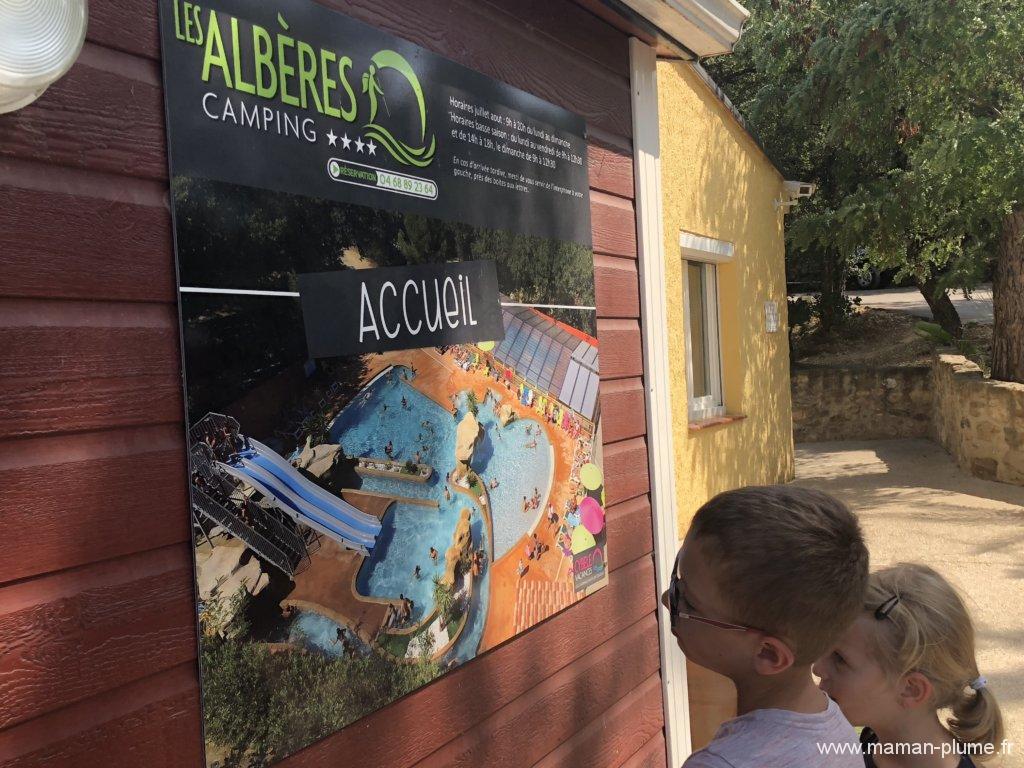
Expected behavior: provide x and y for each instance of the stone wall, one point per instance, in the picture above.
(979, 421)
(835, 403)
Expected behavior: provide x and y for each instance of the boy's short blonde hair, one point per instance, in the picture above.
(788, 560)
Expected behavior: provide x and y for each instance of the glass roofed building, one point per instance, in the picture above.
(552, 359)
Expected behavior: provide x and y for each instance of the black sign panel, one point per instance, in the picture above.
(292, 96)
(377, 310)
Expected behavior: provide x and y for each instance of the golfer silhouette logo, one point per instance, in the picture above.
(407, 154)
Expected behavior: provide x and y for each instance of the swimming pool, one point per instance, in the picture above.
(408, 531)
(503, 455)
(466, 646)
(321, 633)
(375, 417)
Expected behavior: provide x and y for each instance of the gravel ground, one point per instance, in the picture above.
(915, 504)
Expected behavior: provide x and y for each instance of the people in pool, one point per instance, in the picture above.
(416, 572)
(907, 663)
(433, 554)
(405, 609)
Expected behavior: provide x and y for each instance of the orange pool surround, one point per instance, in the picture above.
(440, 378)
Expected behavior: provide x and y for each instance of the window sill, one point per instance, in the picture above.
(714, 421)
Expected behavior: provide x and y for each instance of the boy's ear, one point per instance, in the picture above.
(773, 656)
(915, 691)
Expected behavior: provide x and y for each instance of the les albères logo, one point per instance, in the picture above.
(297, 74)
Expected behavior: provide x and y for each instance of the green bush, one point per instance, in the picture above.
(261, 706)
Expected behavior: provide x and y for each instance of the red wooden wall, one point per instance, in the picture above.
(97, 628)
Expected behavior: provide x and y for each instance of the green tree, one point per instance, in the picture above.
(444, 599)
(768, 65)
(941, 83)
(261, 706)
(918, 103)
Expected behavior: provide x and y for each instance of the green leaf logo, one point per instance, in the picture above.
(420, 156)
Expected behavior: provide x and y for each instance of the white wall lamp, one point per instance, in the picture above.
(792, 191)
(39, 41)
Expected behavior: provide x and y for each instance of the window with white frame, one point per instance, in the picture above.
(701, 258)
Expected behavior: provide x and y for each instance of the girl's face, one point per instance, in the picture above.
(851, 676)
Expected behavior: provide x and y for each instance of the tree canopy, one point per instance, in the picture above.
(909, 114)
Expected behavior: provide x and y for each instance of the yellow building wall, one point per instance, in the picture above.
(716, 182)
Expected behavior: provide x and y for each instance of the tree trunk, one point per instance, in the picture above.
(833, 285)
(1008, 302)
(942, 308)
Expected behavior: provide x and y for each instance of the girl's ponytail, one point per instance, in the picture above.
(976, 717)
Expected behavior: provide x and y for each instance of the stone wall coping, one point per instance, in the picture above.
(890, 369)
(962, 368)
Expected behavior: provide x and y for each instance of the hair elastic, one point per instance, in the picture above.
(979, 683)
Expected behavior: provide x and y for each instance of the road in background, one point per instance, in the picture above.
(976, 309)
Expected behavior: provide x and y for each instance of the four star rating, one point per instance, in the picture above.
(346, 143)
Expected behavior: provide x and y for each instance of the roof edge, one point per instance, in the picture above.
(703, 27)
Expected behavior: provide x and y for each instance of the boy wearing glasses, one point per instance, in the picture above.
(766, 581)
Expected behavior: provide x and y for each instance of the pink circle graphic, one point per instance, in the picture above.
(592, 515)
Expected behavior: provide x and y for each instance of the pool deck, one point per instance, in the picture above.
(328, 587)
(440, 378)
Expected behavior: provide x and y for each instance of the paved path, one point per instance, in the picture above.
(976, 309)
(916, 504)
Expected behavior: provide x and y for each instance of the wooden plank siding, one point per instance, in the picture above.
(97, 613)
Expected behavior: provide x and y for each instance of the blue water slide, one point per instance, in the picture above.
(298, 508)
(320, 508)
(288, 475)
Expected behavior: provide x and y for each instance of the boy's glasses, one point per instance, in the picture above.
(673, 607)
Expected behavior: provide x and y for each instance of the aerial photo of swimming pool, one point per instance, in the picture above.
(423, 431)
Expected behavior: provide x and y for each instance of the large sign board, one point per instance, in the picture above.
(387, 306)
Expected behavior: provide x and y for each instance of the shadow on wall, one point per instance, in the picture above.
(719, 184)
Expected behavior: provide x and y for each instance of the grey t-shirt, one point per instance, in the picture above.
(779, 738)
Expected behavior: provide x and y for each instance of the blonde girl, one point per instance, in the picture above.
(906, 670)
